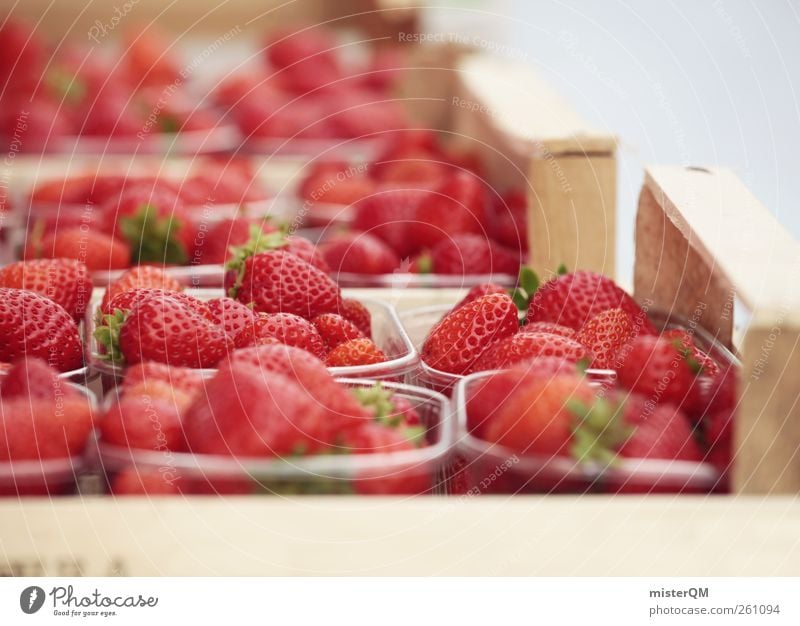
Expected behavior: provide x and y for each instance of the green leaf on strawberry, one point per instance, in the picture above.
(598, 431)
(259, 242)
(151, 238)
(528, 283)
(107, 335)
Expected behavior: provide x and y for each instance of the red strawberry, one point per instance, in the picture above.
(525, 346)
(361, 113)
(132, 481)
(708, 366)
(573, 299)
(140, 277)
(605, 334)
(306, 56)
(51, 421)
(377, 439)
(64, 281)
(280, 282)
(234, 317)
(32, 378)
(181, 379)
(213, 247)
(307, 251)
(457, 343)
(719, 420)
(550, 328)
(656, 368)
(97, 251)
(165, 329)
(487, 395)
(467, 254)
(387, 214)
(335, 330)
(249, 412)
(334, 184)
(32, 325)
(361, 351)
(144, 422)
(354, 311)
(359, 253)
(483, 289)
(127, 300)
(288, 329)
(413, 167)
(455, 207)
(510, 220)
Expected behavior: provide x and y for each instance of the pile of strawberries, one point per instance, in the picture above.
(265, 402)
(277, 294)
(58, 91)
(658, 397)
(114, 221)
(304, 89)
(419, 207)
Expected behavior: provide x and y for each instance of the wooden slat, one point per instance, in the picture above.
(706, 248)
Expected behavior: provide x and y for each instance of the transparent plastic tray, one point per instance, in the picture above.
(337, 149)
(489, 468)
(387, 332)
(419, 322)
(408, 472)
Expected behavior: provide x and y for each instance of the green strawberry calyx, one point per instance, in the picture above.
(66, 85)
(527, 285)
(379, 400)
(598, 431)
(152, 238)
(107, 335)
(259, 242)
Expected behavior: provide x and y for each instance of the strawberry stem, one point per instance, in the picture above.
(107, 335)
(152, 239)
(598, 431)
(259, 242)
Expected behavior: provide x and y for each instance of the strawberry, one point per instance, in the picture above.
(354, 311)
(132, 481)
(457, 343)
(550, 328)
(335, 330)
(557, 416)
(390, 408)
(64, 281)
(306, 56)
(457, 206)
(360, 113)
(656, 368)
(97, 251)
(411, 167)
(307, 251)
(708, 366)
(334, 183)
(30, 377)
(33, 325)
(509, 220)
(140, 277)
(486, 396)
(378, 439)
(214, 246)
(180, 379)
(525, 346)
(480, 290)
(234, 317)
(359, 253)
(165, 329)
(387, 214)
(288, 329)
(280, 282)
(249, 412)
(466, 254)
(144, 422)
(48, 421)
(604, 335)
(573, 299)
(361, 351)
(127, 300)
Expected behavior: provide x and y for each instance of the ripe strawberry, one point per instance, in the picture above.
(214, 246)
(604, 335)
(254, 413)
(132, 481)
(573, 299)
(361, 113)
(345, 411)
(32, 325)
(354, 311)
(359, 253)
(333, 183)
(465, 254)
(97, 251)
(180, 379)
(457, 343)
(140, 277)
(307, 251)
(525, 346)
(558, 416)
(31, 377)
(478, 291)
(144, 422)
(64, 281)
(387, 214)
(418, 167)
(127, 300)
(487, 395)
(335, 330)
(378, 439)
(306, 56)
(510, 220)
(50, 421)
(163, 328)
(550, 328)
(656, 368)
(708, 366)
(234, 317)
(361, 351)
(280, 282)
(288, 329)
(456, 206)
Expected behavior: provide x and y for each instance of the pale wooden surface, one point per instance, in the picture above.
(556, 535)
(703, 242)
